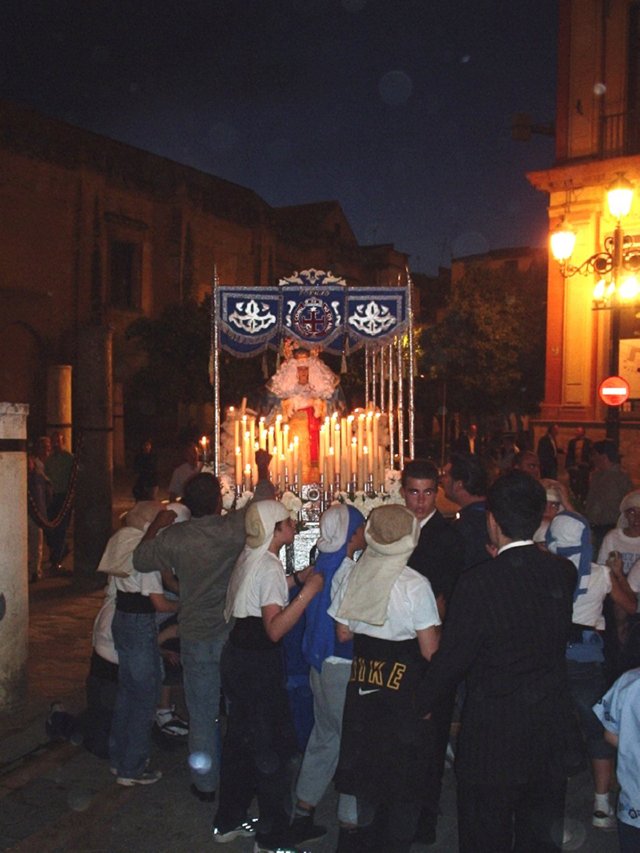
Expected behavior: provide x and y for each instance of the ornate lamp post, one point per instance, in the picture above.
(615, 267)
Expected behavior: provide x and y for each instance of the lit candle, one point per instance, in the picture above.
(246, 450)
(361, 420)
(262, 435)
(283, 470)
(354, 459)
(278, 435)
(297, 460)
(337, 444)
(238, 466)
(236, 430)
(376, 422)
(247, 477)
(331, 466)
(270, 440)
(367, 462)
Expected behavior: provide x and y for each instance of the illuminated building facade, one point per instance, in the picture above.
(597, 142)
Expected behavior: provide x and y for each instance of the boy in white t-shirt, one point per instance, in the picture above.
(619, 712)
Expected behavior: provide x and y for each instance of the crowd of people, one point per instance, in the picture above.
(517, 616)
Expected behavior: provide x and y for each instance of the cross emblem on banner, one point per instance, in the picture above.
(313, 319)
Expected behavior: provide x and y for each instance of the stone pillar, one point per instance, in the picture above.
(93, 410)
(59, 401)
(14, 599)
(119, 459)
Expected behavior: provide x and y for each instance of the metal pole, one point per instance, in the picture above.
(613, 412)
(410, 383)
(215, 344)
(391, 411)
(382, 401)
(367, 396)
(398, 345)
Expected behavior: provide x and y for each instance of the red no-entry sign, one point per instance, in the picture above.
(614, 390)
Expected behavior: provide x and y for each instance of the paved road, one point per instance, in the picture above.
(59, 797)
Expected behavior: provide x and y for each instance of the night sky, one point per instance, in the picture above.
(398, 109)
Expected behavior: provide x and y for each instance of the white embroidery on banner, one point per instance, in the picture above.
(372, 319)
(252, 317)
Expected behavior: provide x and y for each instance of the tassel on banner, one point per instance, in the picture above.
(265, 366)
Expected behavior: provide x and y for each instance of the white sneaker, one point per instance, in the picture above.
(149, 777)
(604, 820)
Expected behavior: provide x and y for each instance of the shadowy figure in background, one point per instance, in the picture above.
(145, 464)
(58, 468)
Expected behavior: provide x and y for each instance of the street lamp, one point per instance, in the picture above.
(615, 267)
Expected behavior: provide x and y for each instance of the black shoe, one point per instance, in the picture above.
(269, 844)
(203, 796)
(351, 840)
(304, 829)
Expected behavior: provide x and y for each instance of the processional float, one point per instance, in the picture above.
(312, 312)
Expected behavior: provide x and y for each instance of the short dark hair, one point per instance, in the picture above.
(516, 500)
(470, 470)
(419, 469)
(202, 495)
(607, 447)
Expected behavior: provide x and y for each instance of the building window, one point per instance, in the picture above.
(125, 274)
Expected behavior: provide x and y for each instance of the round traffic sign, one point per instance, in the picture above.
(614, 390)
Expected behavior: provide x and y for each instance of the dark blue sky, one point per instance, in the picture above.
(399, 109)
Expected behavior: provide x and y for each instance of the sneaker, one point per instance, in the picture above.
(604, 820)
(262, 847)
(304, 829)
(149, 777)
(247, 829)
(173, 727)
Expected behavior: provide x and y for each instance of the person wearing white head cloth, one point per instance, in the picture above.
(135, 638)
(390, 611)
(260, 739)
(341, 535)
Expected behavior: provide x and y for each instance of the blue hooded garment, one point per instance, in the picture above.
(319, 641)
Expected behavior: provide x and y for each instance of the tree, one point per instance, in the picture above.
(490, 345)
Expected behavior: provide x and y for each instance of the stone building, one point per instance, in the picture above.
(96, 233)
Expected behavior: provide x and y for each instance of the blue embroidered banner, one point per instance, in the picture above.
(315, 309)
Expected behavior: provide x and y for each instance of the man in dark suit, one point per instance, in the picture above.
(578, 463)
(439, 556)
(548, 451)
(467, 441)
(506, 632)
(465, 482)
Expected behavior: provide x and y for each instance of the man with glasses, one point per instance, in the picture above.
(439, 556)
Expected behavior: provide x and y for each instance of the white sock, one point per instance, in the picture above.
(601, 803)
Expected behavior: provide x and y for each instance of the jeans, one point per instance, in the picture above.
(136, 640)
(586, 685)
(201, 679)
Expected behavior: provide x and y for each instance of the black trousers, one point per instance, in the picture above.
(259, 740)
(523, 818)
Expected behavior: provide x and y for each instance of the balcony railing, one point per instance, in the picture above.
(620, 134)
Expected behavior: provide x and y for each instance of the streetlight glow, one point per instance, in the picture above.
(619, 197)
(629, 288)
(563, 241)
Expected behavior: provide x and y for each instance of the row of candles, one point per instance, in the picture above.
(349, 454)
